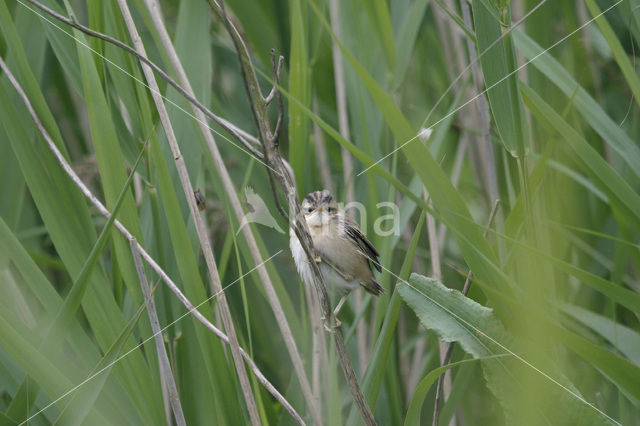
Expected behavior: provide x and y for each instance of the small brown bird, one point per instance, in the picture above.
(345, 256)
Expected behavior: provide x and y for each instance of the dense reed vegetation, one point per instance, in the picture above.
(492, 148)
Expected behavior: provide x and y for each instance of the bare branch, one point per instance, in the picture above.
(277, 70)
(152, 263)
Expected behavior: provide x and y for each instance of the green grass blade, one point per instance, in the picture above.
(299, 88)
(378, 12)
(498, 67)
(589, 108)
(417, 400)
(627, 68)
(73, 299)
(625, 339)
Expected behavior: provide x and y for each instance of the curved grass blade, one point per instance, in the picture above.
(417, 400)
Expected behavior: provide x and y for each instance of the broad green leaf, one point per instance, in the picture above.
(457, 318)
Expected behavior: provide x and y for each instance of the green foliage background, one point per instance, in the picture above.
(549, 332)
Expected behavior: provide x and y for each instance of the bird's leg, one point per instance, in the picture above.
(331, 328)
(338, 307)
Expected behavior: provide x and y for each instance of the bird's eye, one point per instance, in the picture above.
(309, 209)
(331, 210)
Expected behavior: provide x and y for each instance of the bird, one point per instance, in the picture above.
(346, 258)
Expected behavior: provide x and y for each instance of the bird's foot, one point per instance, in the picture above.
(331, 328)
(317, 259)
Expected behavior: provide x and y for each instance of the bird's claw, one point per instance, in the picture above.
(330, 328)
(317, 259)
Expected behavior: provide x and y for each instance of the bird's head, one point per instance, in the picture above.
(319, 208)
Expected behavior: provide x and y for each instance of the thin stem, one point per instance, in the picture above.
(341, 101)
(168, 380)
(321, 151)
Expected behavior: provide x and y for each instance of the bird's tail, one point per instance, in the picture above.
(373, 287)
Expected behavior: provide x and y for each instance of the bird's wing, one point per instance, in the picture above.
(364, 245)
